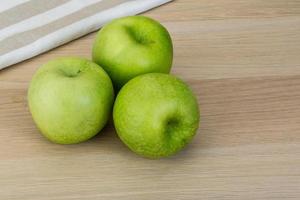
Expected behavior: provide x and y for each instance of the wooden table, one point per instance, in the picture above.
(242, 59)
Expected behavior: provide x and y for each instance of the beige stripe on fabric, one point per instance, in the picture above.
(27, 10)
(28, 37)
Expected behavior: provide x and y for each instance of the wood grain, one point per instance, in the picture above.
(242, 60)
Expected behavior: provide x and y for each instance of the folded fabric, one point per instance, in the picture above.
(31, 27)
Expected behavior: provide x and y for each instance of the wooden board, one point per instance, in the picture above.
(242, 59)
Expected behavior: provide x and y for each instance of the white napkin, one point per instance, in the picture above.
(31, 27)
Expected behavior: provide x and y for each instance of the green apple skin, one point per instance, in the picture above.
(70, 99)
(131, 46)
(156, 115)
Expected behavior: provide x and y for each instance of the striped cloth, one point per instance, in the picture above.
(31, 27)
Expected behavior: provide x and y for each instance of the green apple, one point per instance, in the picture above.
(131, 46)
(70, 99)
(156, 115)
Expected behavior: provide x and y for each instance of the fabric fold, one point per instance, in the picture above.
(45, 30)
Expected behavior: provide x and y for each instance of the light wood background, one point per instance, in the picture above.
(241, 57)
